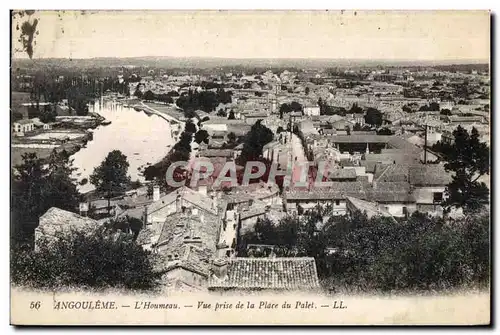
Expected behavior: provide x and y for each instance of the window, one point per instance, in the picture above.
(437, 197)
(337, 202)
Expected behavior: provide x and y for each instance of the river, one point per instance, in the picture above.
(142, 138)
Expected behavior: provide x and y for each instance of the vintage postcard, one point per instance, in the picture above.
(250, 167)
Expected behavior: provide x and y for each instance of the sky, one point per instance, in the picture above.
(387, 35)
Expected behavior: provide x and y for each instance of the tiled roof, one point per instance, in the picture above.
(190, 257)
(369, 166)
(24, 121)
(181, 227)
(241, 193)
(429, 175)
(370, 208)
(397, 142)
(338, 190)
(269, 273)
(391, 173)
(392, 192)
(342, 174)
(144, 236)
(216, 153)
(396, 156)
(58, 220)
(202, 201)
(216, 120)
(354, 138)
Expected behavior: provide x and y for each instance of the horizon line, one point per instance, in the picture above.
(262, 58)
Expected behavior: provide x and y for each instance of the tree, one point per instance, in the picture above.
(190, 126)
(16, 116)
(201, 136)
(284, 109)
(373, 117)
(149, 96)
(347, 130)
(111, 177)
(99, 259)
(37, 186)
(47, 116)
(138, 93)
(258, 136)
(279, 130)
(357, 127)
(296, 107)
(231, 137)
(384, 131)
(231, 116)
(469, 159)
(445, 111)
(221, 113)
(355, 109)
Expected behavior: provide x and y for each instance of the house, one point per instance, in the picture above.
(57, 221)
(186, 246)
(466, 120)
(429, 183)
(264, 274)
(211, 153)
(370, 209)
(40, 124)
(254, 117)
(345, 174)
(220, 124)
(23, 126)
(447, 137)
(395, 198)
(312, 109)
(334, 195)
(182, 200)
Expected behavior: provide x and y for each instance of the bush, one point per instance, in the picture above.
(103, 258)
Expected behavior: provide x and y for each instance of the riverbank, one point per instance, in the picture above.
(42, 143)
(141, 138)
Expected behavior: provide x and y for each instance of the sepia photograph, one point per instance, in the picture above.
(250, 167)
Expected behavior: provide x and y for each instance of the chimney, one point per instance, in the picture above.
(202, 189)
(220, 267)
(145, 217)
(178, 203)
(156, 193)
(215, 201)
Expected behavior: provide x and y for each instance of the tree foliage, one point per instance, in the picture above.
(99, 259)
(110, 178)
(201, 136)
(469, 159)
(384, 131)
(258, 136)
(36, 188)
(357, 253)
(373, 117)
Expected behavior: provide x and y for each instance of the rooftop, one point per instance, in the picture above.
(269, 273)
(58, 220)
(429, 175)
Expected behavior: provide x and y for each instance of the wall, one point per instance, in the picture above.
(397, 209)
(189, 277)
(339, 208)
(156, 219)
(215, 126)
(311, 110)
(424, 195)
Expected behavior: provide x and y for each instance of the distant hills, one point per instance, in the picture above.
(202, 62)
